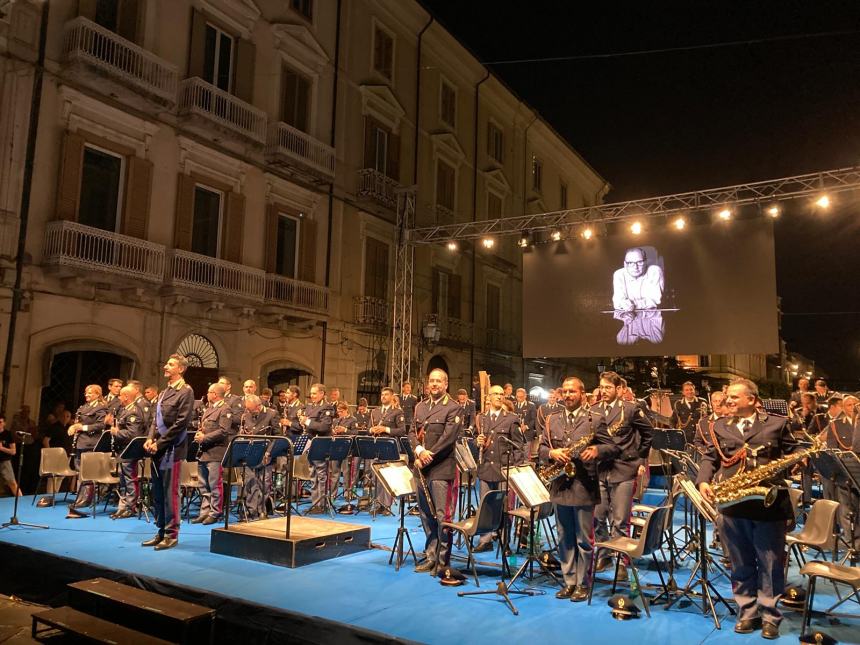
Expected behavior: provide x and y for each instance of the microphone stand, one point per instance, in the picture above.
(13, 521)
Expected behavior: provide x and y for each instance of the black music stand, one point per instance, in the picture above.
(327, 450)
(283, 447)
(851, 464)
(467, 463)
(104, 444)
(134, 451)
(377, 449)
(400, 485)
(842, 469)
(244, 451)
(406, 449)
(27, 438)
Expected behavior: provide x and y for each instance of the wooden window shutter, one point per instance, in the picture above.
(437, 278)
(454, 285)
(129, 10)
(138, 190)
(243, 80)
(87, 9)
(271, 238)
(394, 157)
(197, 46)
(369, 142)
(184, 213)
(69, 185)
(233, 226)
(308, 255)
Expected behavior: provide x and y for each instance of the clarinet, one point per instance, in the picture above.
(425, 488)
(75, 438)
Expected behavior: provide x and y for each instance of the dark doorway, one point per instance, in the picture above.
(280, 379)
(437, 363)
(200, 378)
(370, 383)
(71, 372)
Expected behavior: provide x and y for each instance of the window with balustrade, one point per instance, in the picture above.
(119, 16)
(222, 59)
(218, 57)
(448, 104)
(295, 99)
(206, 223)
(102, 178)
(446, 185)
(381, 149)
(287, 258)
(376, 278)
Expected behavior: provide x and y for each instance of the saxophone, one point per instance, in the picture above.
(747, 485)
(553, 470)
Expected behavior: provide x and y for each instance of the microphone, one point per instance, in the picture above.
(21, 433)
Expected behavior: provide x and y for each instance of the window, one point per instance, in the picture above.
(446, 294)
(494, 206)
(118, 16)
(218, 57)
(448, 104)
(287, 256)
(383, 53)
(494, 302)
(380, 149)
(304, 7)
(446, 178)
(295, 99)
(537, 174)
(495, 143)
(101, 189)
(562, 196)
(375, 268)
(206, 222)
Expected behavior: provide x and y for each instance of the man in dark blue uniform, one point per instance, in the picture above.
(258, 419)
(387, 421)
(687, 411)
(167, 443)
(86, 430)
(408, 401)
(213, 436)
(316, 419)
(131, 422)
(753, 534)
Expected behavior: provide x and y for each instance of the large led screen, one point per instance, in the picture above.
(707, 289)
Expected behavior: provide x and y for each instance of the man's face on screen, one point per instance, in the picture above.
(634, 262)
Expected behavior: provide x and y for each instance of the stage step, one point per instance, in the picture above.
(174, 620)
(88, 628)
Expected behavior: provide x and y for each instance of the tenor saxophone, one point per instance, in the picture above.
(750, 484)
(553, 470)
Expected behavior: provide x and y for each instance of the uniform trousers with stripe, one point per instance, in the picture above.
(437, 547)
(129, 486)
(210, 478)
(165, 497)
(612, 515)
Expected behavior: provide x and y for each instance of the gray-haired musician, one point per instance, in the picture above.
(213, 436)
(258, 419)
(86, 430)
(752, 534)
(132, 421)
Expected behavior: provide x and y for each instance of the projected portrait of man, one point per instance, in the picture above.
(637, 292)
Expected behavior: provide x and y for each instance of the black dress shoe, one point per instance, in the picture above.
(126, 514)
(579, 595)
(45, 502)
(166, 543)
(747, 626)
(153, 541)
(74, 514)
(770, 631)
(602, 565)
(424, 567)
(210, 519)
(483, 547)
(199, 519)
(565, 592)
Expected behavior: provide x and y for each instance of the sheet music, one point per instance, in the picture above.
(397, 478)
(528, 486)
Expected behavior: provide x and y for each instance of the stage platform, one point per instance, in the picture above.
(355, 598)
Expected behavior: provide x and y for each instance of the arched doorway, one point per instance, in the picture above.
(202, 362)
(280, 379)
(437, 363)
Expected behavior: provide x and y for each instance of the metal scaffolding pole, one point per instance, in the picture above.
(401, 320)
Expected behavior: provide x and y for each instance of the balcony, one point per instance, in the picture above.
(377, 186)
(92, 47)
(8, 236)
(295, 293)
(289, 146)
(453, 331)
(501, 341)
(371, 313)
(219, 277)
(69, 244)
(213, 106)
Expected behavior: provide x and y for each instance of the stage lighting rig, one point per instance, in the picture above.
(636, 227)
(488, 243)
(823, 202)
(453, 246)
(773, 211)
(587, 233)
(525, 240)
(680, 223)
(725, 214)
(556, 236)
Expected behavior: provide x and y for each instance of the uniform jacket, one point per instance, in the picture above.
(177, 407)
(440, 422)
(702, 439)
(468, 414)
(630, 432)
(496, 451)
(114, 405)
(92, 416)
(393, 418)
(291, 414)
(543, 412)
(347, 422)
(216, 424)
(686, 414)
(770, 438)
(132, 421)
(527, 413)
(362, 421)
(837, 433)
(237, 409)
(408, 403)
(321, 417)
(263, 422)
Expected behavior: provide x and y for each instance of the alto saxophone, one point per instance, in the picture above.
(554, 470)
(747, 484)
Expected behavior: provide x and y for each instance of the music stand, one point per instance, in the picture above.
(327, 450)
(377, 449)
(851, 465)
(134, 451)
(26, 438)
(244, 451)
(468, 466)
(282, 447)
(398, 481)
(775, 406)
(836, 466)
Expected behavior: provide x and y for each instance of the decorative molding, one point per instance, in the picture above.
(299, 43)
(281, 190)
(497, 182)
(379, 102)
(239, 15)
(194, 157)
(445, 145)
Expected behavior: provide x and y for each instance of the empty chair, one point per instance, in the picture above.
(188, 486)
(837, 574)
(818, 533)
(487, 519)
(54, 463)
(96, 468)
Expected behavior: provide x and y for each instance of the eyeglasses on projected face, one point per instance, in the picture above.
(628, 263)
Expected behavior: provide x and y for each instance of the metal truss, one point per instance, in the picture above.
(762, 192)
(401, 320)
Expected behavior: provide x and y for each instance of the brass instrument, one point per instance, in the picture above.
(422, 480)
(746, 484)
(611, 430)
(553, 470)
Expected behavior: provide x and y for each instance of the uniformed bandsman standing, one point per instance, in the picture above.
(290, 419)
(493, 428)
(167, 442)
(552, 405)
(630, 432)
(213, 436)
(86, 430)
(433, 435)
(258, 420)
(316, 419)
(752, 534)
(702, 439)
(574, 498)
(688, 410)
(386, 421)
(132, 421)
(112, 399)
(468, 412)
(408, 401)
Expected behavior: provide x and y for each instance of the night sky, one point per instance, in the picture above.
(785, 101)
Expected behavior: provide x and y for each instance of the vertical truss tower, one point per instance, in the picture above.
(401, 323)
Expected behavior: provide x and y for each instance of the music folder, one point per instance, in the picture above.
(527, 485)
(396, 477)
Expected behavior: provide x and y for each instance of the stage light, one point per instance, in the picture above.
(680, 223)
(823, 202)
(773, 211)
(488, 242)
(556, 236)
(636, 227)
(725, 214)
(452, 246)
(523, 242)
(587, 233)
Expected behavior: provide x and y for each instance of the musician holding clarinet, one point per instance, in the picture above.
(433, 434)
(213, 437)
(86, 430)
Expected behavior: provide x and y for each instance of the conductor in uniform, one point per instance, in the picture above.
(167, 443)
(753, 535)
(213, 436)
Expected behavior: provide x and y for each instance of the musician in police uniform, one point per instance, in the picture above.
(822, 392)
(213, 436)
(467, 406)
(167, 443)
(494, 453)
(290, 418)
(408, 401)
(752, 534)
(630, 432)
(86, 430)
(131, 422)
(552, 405)
(386, 421)
(575, 498)
(258, 419)
(688, 410)
(432, 436)
(316, 418)
(527, 413)
(112, 398)
(702, 439)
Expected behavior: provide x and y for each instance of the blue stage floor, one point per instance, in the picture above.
(365, 591)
